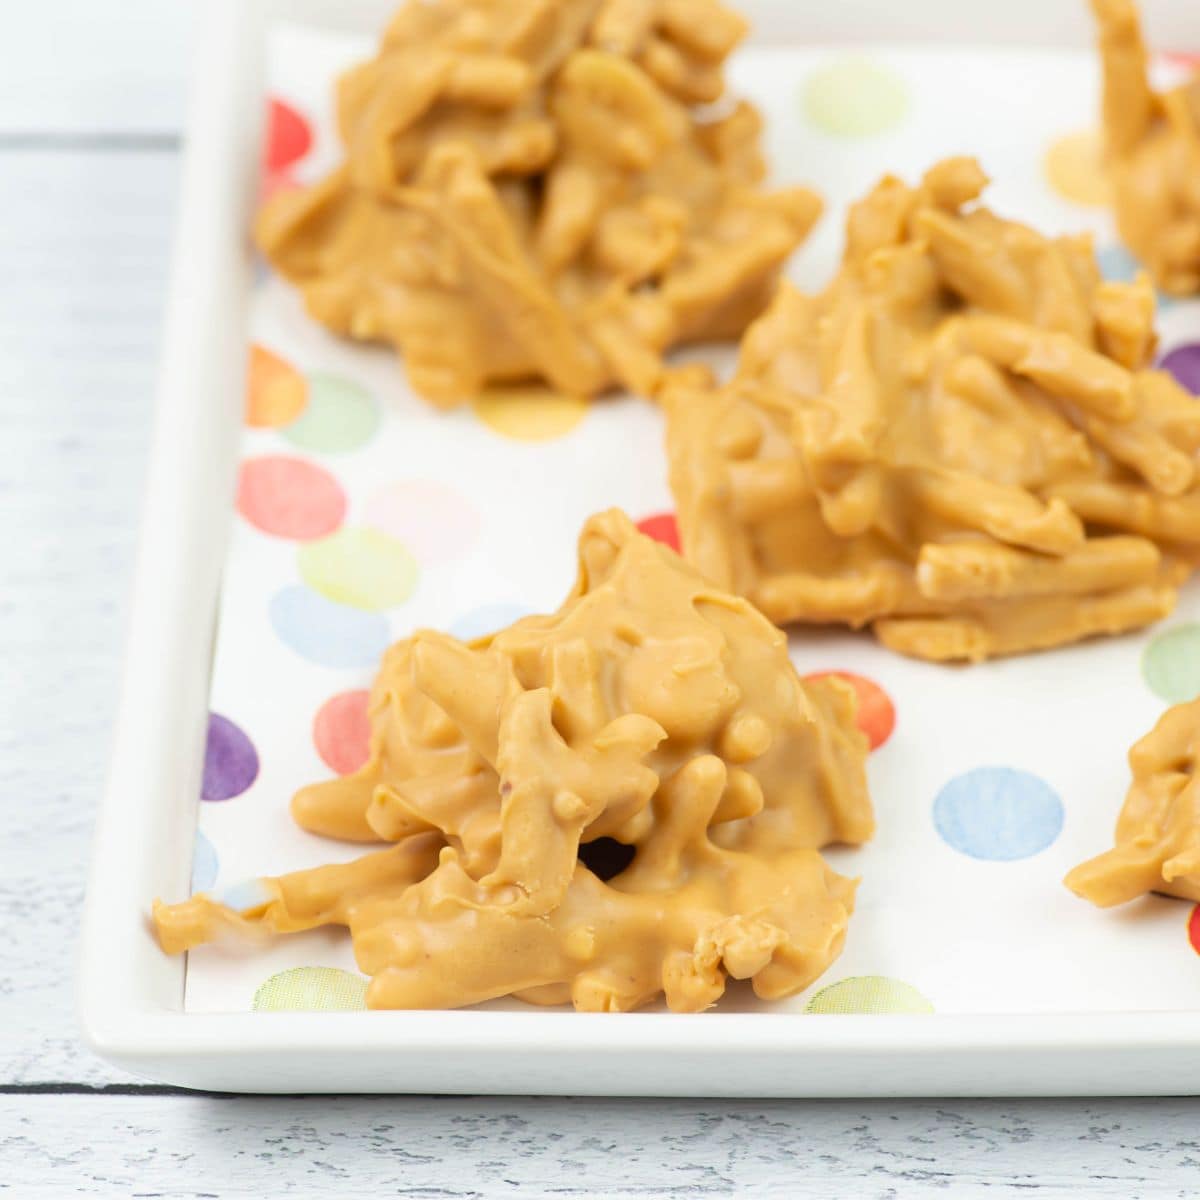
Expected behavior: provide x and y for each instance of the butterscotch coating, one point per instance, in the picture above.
(653, 709)
(1152, 143)
(1158, 832)
(532, 191)
(960, 442)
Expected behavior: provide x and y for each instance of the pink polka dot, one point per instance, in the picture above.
(342, 732)
(289, 498)
(876, 712)
(288, 138)
(1193, 928)
(1188, 60)
(662, 527)
(435, 522)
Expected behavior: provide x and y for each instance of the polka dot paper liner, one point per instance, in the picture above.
(325, 632)
(1184, 363)
(1074, 168)
(205, 865)
(342, 732)
(246, 893)
(289, 498)
(360, 555)
(312, 989)
(855, 97)
(1171, 664)
(323, 412)
(230, 760)
(276, 393)
(662, 527)
(340, 416)
(861, 994)
(998, 814)
(433, 520)
(288, 137)
(529, 414)
(360, 567)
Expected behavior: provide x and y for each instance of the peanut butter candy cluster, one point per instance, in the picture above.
(960, 441)
(652, 709)
(1158, 832)
(1152, 142)
(541, 189)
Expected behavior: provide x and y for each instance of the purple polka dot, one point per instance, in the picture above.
(1184, 363)
(230, 760)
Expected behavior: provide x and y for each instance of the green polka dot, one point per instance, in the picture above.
(340, 415)
(359, 567)
(1171, 664)
(868, 994)
(854, 97)
(312, 989)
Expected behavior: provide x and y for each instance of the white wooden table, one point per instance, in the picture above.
(91, 95)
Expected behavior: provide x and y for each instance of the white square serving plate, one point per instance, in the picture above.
(132, 996)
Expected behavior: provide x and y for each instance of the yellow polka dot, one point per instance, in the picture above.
(359, 567)
(275, 391)
(529, 414)
(312, 989)
(869, 994)
(1074, 167)
(855, 97)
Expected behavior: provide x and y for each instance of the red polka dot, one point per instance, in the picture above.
(288, 136)
(342, 732)
(876, 712)
(1193, 928)
(289, 498)
(1187, 59)
(662, 527)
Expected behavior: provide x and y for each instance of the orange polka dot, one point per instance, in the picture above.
(275, 391)
(1193, 928)
(342, 732)
(662, 527)
(876, 712)
(289, 498)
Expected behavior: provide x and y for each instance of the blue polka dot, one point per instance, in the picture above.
(327, 633)
(250, 893)
(488, 619)
(1117, 263)
(998, 814)
(204, 864)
